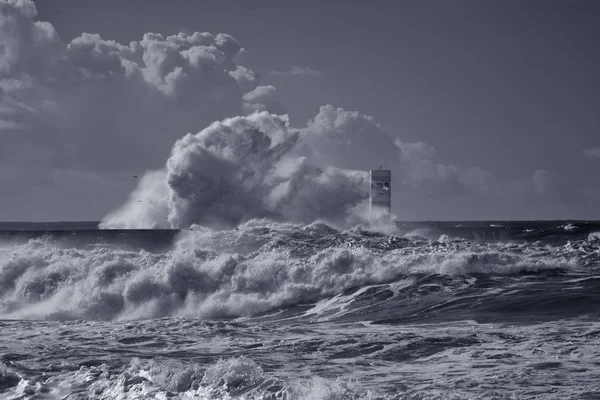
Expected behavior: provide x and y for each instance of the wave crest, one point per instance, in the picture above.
(242, 272)
(240, 169)
(228, 378)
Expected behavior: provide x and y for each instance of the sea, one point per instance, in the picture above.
(436, 310)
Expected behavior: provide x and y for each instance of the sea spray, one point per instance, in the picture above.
(244, 272)
(239, 169)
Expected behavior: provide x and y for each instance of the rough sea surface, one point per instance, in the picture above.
(503, 310)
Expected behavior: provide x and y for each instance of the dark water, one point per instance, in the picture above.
(440, 310)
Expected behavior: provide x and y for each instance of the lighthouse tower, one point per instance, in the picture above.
(381, 192)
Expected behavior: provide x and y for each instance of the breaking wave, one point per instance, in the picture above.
(258, 268)
(240, 169)
(142, 379)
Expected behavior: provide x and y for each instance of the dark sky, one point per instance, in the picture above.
(507, 86)
(510, 86)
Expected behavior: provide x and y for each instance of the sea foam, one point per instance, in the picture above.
(243, 272)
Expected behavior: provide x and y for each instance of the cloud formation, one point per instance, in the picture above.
(593, 152)
(79, 119)
(300, 72)
(263, 98)
(99, 107)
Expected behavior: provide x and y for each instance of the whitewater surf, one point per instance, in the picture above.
(282, 311)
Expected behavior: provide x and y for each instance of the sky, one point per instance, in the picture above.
(482, 110)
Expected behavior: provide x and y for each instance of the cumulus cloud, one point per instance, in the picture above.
(593, 152)
(300, 72)
(99, 106)
(263, 98)
(79, 119)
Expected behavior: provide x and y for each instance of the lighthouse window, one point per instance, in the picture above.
(380, 185)
(386, 185)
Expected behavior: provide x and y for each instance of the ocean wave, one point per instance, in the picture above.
(231, 378)
(247, 271)
(186, 358)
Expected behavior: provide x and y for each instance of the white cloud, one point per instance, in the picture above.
(263, 98)
(593, 152)
(297, 71)
(99, 106)
(78, 119)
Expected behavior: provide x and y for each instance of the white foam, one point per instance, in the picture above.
(211, 274)
(240, 169)
(232, 378)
